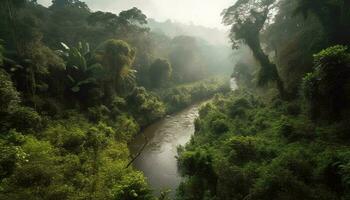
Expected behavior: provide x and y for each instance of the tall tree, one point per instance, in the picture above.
(160, 72)
(247, 18)
(117, 57)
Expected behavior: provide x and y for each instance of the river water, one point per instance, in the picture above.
(158, 159)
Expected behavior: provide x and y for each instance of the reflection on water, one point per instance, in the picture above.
(157, 161)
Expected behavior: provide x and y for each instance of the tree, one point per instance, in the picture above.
(334, 16)
(133, 16)
(185, 59)
(117, 58)
(81, 69)
(326, 89)
(293, 40)
(160, 72)
(8, 93)
(247, 18)
(56, 4)
(11, 7)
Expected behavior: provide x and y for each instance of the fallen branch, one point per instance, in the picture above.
(138, 153)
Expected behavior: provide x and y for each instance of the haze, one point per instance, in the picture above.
(199, 12)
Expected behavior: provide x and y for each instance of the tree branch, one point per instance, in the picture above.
(138, 153)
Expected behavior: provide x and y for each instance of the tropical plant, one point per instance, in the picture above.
(81, 67)
(117, 58)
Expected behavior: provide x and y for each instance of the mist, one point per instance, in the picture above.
(175, 99)
(199, 12)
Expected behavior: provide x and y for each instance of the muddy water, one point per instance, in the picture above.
(158, 160)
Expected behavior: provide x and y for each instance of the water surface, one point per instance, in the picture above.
(158, 160)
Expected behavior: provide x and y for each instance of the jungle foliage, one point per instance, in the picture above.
(75, 88)
(289, 139)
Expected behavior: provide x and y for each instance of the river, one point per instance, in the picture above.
(158, 159)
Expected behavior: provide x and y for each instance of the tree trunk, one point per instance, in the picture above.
(268, 68)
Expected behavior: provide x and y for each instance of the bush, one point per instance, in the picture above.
(296, 130)
(132, 187)
(219, 126)
(238, 107)
(182, 96)
(126, 127)
(98, 113)
(146, 108)
(286, 178)
(66, 135)
(197, 163)
(9, 97)
(243, 149)
(326, 90)
(26, 119)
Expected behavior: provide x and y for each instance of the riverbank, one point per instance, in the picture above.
(182, 96)
(159, 141)
(158, 159)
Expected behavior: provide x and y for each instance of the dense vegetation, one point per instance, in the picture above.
(75, 87)
(285, 134)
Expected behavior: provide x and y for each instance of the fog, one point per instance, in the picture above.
(199, 12)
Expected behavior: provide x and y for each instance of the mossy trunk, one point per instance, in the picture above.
(268, 71)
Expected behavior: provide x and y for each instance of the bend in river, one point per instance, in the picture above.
(158, 160)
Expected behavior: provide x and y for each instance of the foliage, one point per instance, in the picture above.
(179, 97)
(80, 67)
(160, 72)
(326, 88)
(117, 58)
(71, 98)
(9, 96)
(146, 107)
(25, 119)
(247, 19)
(286, 157)
(331, 14)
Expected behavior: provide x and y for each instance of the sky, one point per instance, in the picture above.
(199, 12)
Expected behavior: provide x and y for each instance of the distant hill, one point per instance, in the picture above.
(211, 35)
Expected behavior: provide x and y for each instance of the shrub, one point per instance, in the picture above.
(146, 107)
(326, 90)
(132, 187)
(219, 126)
(296, 130)
(197, 162)
(126, 127)
(238, 107)
(26, 119)
(98, 113)
(286, 178)
(9, 96)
